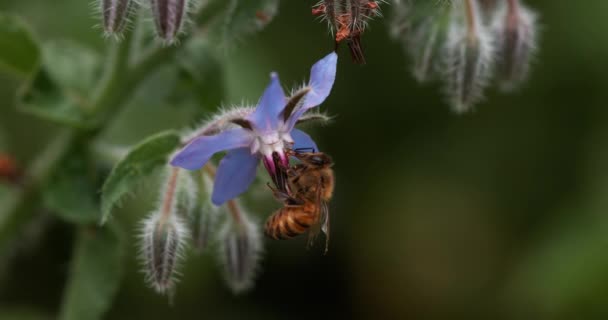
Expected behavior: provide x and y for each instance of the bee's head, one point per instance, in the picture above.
(319, 159)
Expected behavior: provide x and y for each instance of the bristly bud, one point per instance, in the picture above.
(186, 196)
(116, 15)
(163, 238)
(347, 20)
(422, 32)
(240, 250)
(516, 34)
(205, 216)
(170, 17)
(468, 55)
(163, 244)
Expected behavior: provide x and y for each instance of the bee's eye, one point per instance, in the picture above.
(317, 160)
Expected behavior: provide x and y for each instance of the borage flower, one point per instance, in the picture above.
(264, 133)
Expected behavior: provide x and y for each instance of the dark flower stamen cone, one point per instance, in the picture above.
(115, 15)
(169, 16)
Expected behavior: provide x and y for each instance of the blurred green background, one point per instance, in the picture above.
(497, 214)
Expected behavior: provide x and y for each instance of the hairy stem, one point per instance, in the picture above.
(471, 23)
(169, 196)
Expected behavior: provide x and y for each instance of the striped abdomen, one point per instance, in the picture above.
(291, 221)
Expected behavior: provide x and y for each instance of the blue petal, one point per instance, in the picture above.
(199, 151)
(322, 77)
(302, 140)
(266, 116)
(234, 175)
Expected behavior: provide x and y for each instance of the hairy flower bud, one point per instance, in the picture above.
(162, 246)
(186, 194)
(516, 34)
(164, 235)
(169, 16)
(240, 249)
(468, 55)
(347, 20)
(115, 15)
(421, 29)
(205, 216)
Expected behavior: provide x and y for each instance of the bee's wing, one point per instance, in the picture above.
(325, 226)
(322, 218)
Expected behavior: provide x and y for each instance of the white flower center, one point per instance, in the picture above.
(271, 142)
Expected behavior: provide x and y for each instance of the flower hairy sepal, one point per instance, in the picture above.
(164, 233)
(205, 216)
(170, 17)
(240, 251)
(468, 55)
(186, 194)
(422, 30)
(515, 30)
(163, 242)
(489, 9)
(348, 20)
(116, 15)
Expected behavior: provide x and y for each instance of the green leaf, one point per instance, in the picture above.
(60, 91)
(72, 193)
(201, 73)
(19, 53)
(139, 163)
(95, 274)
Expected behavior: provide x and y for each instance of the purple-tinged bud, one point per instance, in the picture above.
(169, 16)
(240, 250)
(164, 235)
(116, 15)
(468, 55)
(516, 34)
(162, 245)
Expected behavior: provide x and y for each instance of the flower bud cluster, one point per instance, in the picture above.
(467, 43)
(240, 241)
(170, 16)
(164, 233)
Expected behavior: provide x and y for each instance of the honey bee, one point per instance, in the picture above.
(310, 186)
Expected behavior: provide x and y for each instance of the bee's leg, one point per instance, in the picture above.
(278, 194)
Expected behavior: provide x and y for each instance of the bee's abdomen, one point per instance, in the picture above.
(288, 222)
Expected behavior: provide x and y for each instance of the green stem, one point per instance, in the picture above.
(116, 64)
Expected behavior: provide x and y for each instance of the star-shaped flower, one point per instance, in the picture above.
(264, 133)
